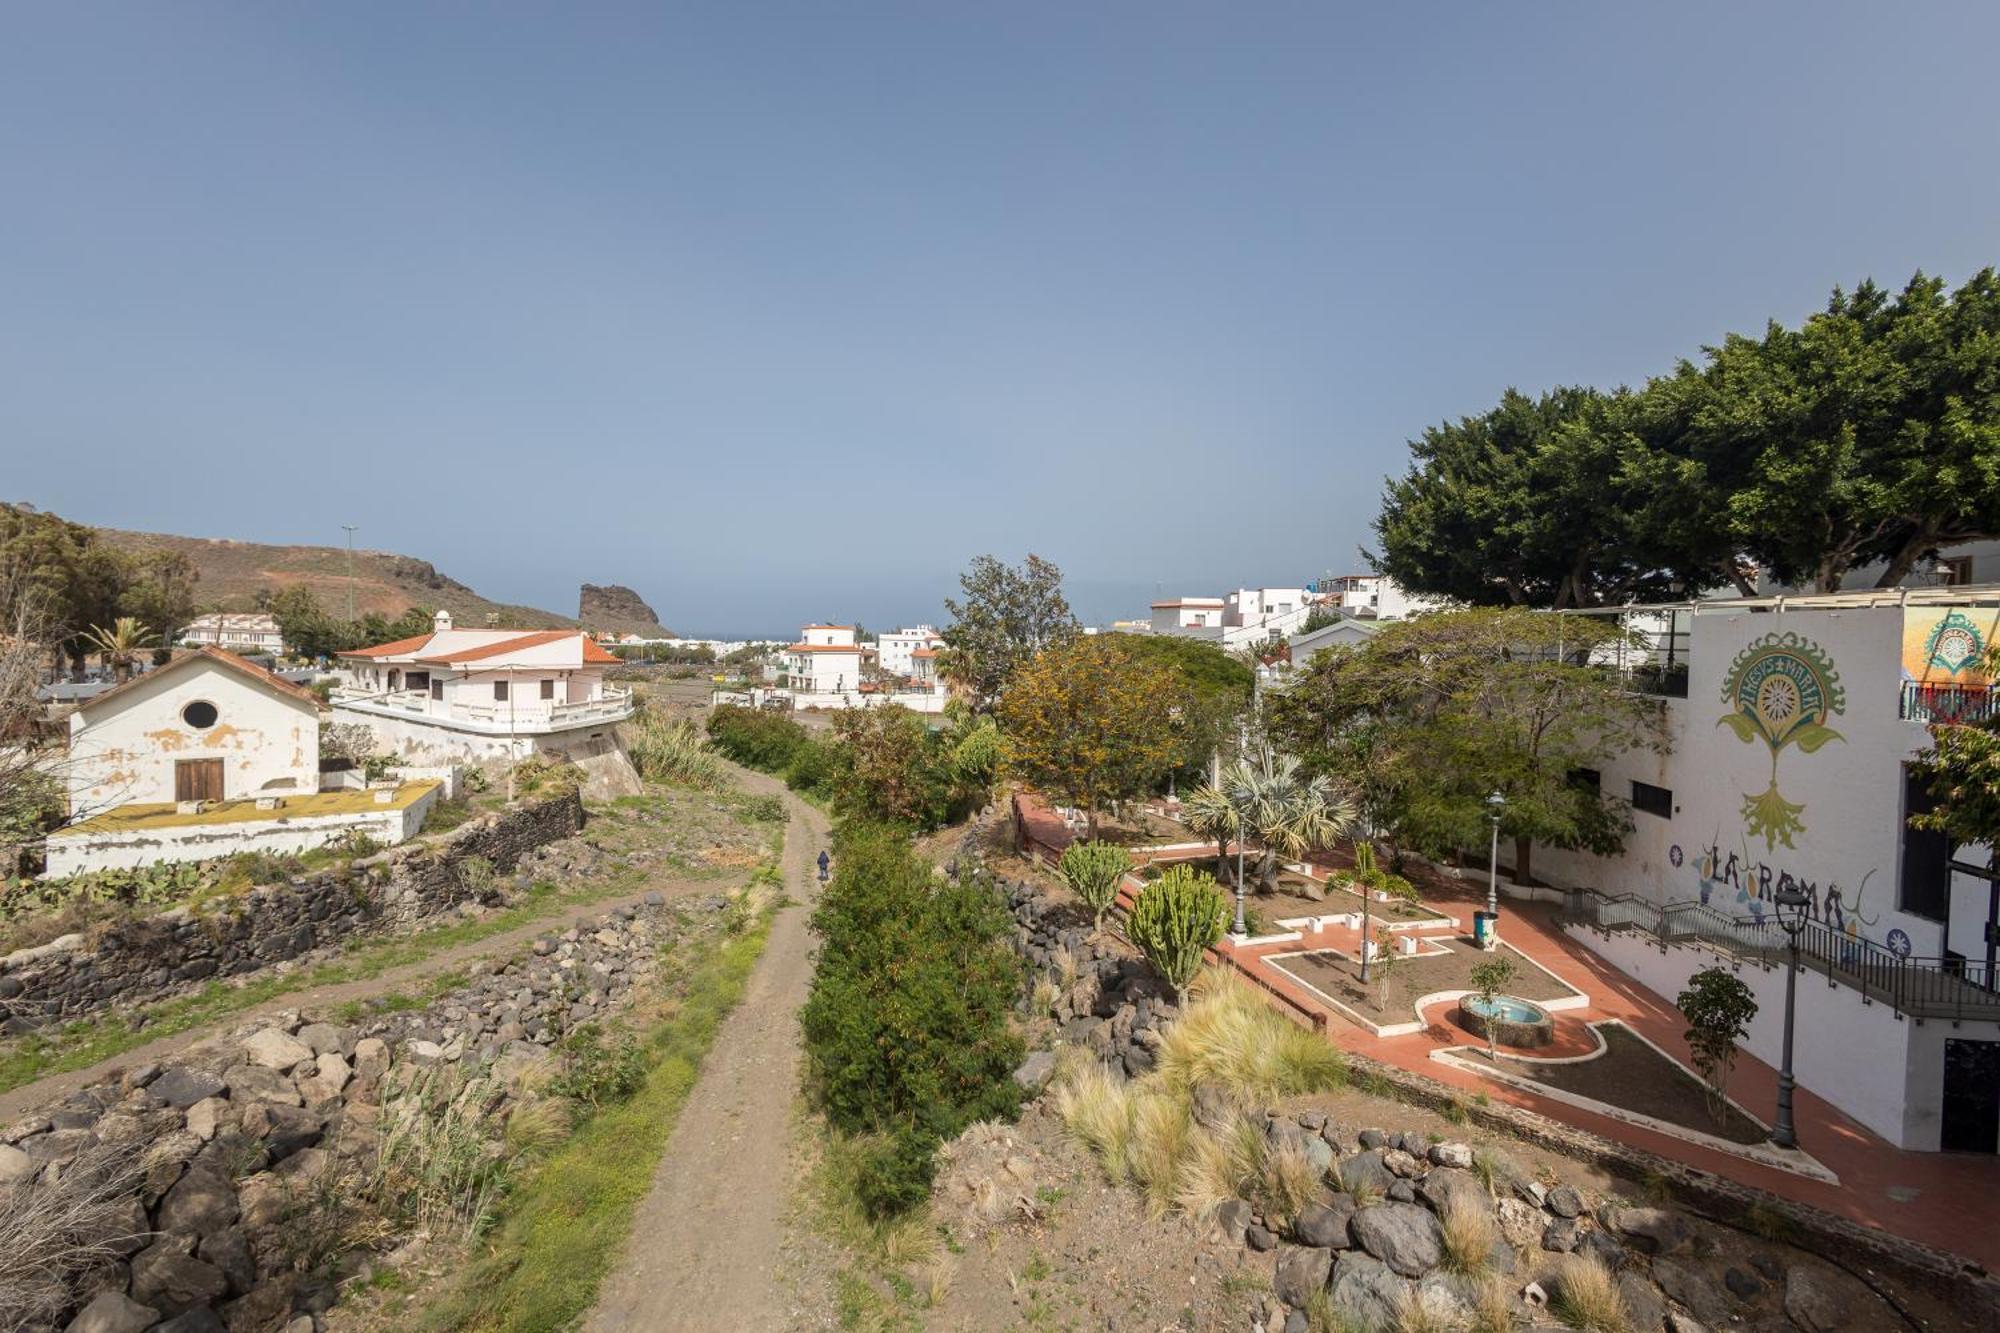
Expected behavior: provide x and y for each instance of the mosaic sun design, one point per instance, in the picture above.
(1781, 690)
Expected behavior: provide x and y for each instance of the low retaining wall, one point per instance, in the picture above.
(78, 851)
(142, 960)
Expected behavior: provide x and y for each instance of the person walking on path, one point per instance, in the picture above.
(824, 862)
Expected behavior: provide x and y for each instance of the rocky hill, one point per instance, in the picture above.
(233, 573)
(619, 610)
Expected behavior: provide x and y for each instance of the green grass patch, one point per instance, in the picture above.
(562, 1225)
(84, 1043)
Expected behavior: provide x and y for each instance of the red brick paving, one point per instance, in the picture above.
(1941, 1199)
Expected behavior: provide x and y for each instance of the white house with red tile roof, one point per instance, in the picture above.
(478, 694)
(896, 648)
(823, 670)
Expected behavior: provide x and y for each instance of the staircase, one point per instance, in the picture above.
(1920, 987)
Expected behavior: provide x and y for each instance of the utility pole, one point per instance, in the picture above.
(350, 569)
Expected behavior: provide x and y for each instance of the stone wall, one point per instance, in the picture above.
(145, 959)
(227, 1151)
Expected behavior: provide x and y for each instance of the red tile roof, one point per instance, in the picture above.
(394, 649)
(217, 655)
(591, 652)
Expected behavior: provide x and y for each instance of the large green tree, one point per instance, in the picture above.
(1219, 687)
(1443, 709)
(1008, 615)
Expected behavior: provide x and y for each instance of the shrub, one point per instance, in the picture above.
(1176, 919)
(815, 768)
(750, 736)
(896, 768)
(1469, 1232)
(1096, 1108)
(1718, 1007)
(908, 1024)
(1230, 1038)
(58, 1231)
(438, 1165)
(893, 1173)
(1093, 871)
(594, 1071)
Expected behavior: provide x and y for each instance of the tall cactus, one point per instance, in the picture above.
(1093, 870)
(1178, 917)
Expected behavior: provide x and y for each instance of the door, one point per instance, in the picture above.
(197, 779)
(1971, 1096)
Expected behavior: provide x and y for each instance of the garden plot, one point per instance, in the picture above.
(1392, 1001)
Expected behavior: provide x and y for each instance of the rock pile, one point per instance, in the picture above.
(1371, 1247)
(228, 1150)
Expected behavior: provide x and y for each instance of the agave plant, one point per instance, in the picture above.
(1292, 813)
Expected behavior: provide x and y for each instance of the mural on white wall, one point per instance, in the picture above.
(1781, 690)
(1736, 879)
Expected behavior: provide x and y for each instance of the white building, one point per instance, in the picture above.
(1200, 616)
(1791, 723)
(455, 695)
(1246, 617)
(1373, 597)
(204, 757)
(207, 726)
(238, 632)
(896, 648)
(823, 670)
(1346, 632)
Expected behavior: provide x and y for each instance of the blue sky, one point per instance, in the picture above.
(784, 312)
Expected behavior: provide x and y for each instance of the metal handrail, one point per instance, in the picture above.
(1948, 703)
(1920, 986)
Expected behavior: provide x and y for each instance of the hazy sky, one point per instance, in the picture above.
(784, 312)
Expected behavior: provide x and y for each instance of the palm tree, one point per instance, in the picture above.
(121, 644)
(1290, 812)
(1212, 813)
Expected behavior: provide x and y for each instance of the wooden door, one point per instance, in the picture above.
(197, 779)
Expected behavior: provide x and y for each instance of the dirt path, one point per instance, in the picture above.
(15, 1101)
(705, 1244)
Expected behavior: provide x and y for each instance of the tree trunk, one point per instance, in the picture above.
(1906, 558)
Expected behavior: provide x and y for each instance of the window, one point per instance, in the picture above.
(1955, 570)
(500, 691)
(1924, 886)
(437, 690)
(1653, 800)
(417, 680)
(1587, 778)
(200, 715)
(548, 689)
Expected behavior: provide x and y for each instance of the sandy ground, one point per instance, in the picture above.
(707, 1244)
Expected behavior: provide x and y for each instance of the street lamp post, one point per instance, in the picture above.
(1793, 907)
(1495, 805)
(350, 527)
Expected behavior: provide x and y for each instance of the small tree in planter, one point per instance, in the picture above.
(1093, 871)
(1488, 980)
(1718, 1006)
(1387, 961)
(1367, 879)
(1176, 919)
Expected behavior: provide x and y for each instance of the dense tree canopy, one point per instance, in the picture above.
(1870, 433)
(80, 583)
(1218, 691)
(1090, 723)
(310, 631)
(1432, 714)
(1009, 614)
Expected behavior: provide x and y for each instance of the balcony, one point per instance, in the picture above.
(1948, 704)
(525, 717)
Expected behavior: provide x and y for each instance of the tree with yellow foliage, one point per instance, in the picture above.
(1090, 723)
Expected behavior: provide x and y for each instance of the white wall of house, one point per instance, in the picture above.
(1188, 614)
(73, 852)
(1845, 837)
(894, 648)
(123, 746)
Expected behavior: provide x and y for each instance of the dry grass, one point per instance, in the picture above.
(1493, 1307)
(1161, 1126)
(1211, 1173)
(54, 1234)
(1469, 1235)
(1097, 1109)
(1587, 1297)
(1232, 1038)
(1286, 1181)
(1424, 1312)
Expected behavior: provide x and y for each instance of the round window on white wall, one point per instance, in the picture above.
(200, 715)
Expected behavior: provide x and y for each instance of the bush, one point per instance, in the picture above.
(757, 739)
(815, 768)
(907, 1027)
(897, 769)
(1093, 871)
(893, 1174)
(594, 1071)
(1719, 1007)
(1175, 921)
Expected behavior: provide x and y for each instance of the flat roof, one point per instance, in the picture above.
(140, 815)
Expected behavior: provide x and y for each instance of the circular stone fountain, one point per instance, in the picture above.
(1514, 1022)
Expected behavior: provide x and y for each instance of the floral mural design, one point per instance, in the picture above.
(1954, 644)
(1781, 690)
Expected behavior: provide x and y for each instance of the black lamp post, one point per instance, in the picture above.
(1793, 909)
